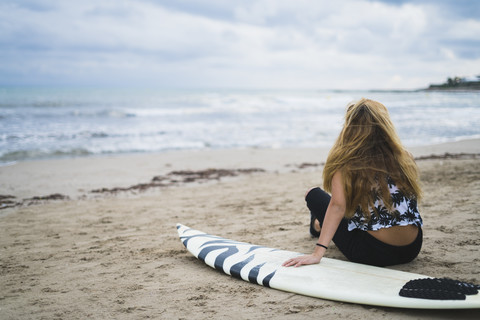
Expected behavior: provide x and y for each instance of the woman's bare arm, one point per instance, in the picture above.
(333, 216)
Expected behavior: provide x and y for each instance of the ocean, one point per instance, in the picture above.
(39, 123)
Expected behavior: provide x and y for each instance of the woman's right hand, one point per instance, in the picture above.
(302, 260)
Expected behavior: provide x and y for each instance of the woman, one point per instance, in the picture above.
(372, 214)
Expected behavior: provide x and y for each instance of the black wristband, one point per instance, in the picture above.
(321, 245)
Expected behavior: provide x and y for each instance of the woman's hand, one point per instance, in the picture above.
(302, 260)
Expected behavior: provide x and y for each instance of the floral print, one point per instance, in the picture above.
(405, 212)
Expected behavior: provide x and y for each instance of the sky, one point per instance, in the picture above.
(255, 44)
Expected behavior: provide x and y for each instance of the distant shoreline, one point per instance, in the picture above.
(452, 88)
(457, 84)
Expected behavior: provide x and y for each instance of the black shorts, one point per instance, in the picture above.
(358, 245)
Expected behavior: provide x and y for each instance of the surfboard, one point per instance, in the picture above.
(331, 279)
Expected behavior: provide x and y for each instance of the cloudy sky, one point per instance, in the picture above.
(316, 44)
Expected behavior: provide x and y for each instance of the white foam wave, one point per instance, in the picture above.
(84, 122)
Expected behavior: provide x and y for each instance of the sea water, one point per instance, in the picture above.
(38, 123)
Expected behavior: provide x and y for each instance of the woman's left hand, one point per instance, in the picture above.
(302, 261)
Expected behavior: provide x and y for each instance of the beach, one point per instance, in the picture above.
(95, 237)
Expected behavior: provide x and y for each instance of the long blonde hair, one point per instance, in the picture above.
(367, 152)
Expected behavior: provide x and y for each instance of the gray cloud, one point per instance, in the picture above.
(458, 8)
(319, 44)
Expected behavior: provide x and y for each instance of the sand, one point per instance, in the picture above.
(115, 254)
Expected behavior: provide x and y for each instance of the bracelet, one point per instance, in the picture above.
(321, 245)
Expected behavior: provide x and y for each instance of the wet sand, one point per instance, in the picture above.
(106, 246)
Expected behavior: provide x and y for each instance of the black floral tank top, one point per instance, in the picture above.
(405, 212)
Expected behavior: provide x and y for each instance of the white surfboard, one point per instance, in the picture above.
(331, 279)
